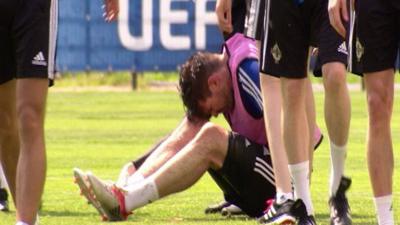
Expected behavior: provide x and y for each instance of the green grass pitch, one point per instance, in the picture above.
(100, 131)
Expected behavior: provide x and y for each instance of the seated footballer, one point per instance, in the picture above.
(238, 160)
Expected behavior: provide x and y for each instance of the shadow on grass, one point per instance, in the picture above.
(66, 213)
(358, 219)
(324, 217)
(140, 217)
(220, 218)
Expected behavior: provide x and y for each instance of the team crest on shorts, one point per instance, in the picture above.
(276, 53)
(359, 50)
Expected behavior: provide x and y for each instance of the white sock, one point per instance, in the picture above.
(136, 177)
(338, 158)
(384, 210)
(124, 175)
(3, 181)
(301, 183)
(37, 219)
(140, 194)
(21, 223)
(282, 197)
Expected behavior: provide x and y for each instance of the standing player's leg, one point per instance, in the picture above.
(285, 54)
(9, 142)
(31, 172)
(296, 136)
(272, 108)
(35, 66)
(333, 56)
(3, 191)
(272, 103)
(337, 119)
(331, 65)
(279, 210)
(377, 21)
(379, 87)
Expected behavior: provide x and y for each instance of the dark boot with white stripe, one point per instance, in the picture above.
(216, 208)
(3, 200)
(300, 211)
(279, 214)
(340, 209)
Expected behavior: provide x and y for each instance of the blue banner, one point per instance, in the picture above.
(148, 35)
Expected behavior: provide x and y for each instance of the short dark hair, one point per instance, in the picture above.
(193, 82)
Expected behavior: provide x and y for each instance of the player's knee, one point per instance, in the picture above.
(334, 79)
(292, 95)
(380, 107)
(292, 86)
(30, 118)
(211, 132)
(214, 138)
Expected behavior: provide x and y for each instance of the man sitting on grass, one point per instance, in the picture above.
(238, 160)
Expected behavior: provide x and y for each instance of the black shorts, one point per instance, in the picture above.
(331, 46)
(247, 177)
(377, 34)
(292, 28)
(241, 15)
(27, 38)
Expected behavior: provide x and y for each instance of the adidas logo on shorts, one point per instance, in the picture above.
(342, 48)
(39, 60)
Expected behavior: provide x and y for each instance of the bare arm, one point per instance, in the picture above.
(224, 16)
(179, 138)
(111, 10)
(337, 11)
(160, 152)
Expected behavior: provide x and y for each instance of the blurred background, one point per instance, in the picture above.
(148, 36)
(145, 46)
